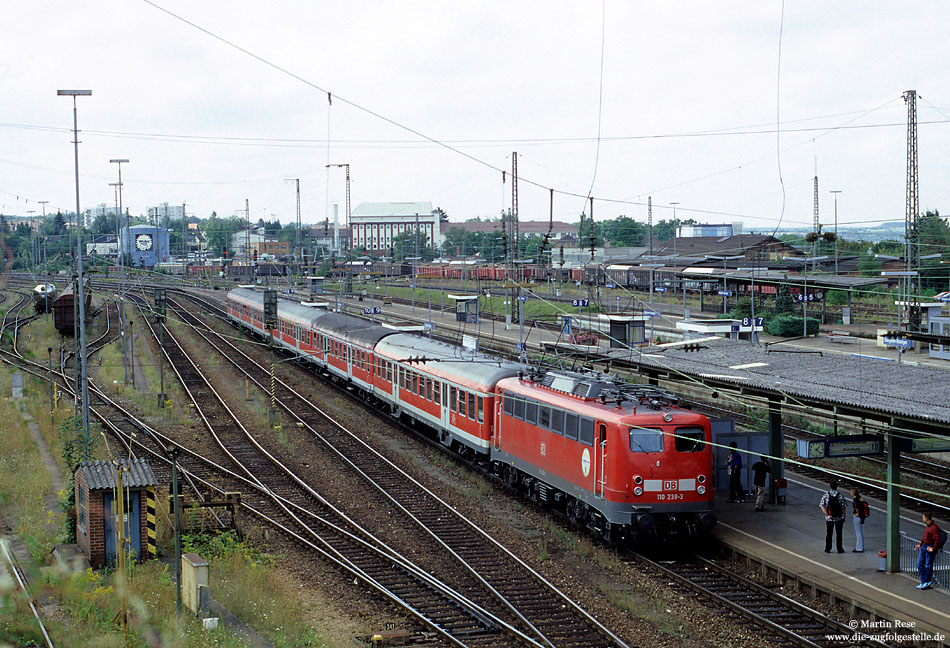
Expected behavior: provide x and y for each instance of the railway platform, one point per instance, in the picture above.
(787, 541)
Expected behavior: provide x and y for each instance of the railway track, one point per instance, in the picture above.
(536, 604)
(790, 622)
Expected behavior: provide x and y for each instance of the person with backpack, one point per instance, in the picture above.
(861, 512)
(833, 505)
(931, 542)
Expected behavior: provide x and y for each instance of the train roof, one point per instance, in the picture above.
(288, 309)
(352, 330)
(448, 361)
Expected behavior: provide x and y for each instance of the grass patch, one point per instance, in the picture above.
(650, 609)
(243, 580)
(90, 601)
(24, 481)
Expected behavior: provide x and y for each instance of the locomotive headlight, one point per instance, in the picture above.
(668, 417)
(638, 479)
(638, 491)
(701, 490)
(701, 479)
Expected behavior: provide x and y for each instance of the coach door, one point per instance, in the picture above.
(600, 451)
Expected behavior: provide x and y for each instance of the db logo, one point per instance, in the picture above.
(670, 484)
(544, 449)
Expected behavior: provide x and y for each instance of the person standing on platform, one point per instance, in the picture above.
(861, 512)
(833, 505)
(928, 551)
(759, 469)
(734, 467)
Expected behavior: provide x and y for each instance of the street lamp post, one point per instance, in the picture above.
(80, 293)
(724, 259)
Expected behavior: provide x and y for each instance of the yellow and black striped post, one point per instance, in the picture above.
(150, 518)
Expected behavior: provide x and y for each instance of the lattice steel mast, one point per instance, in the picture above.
(912, 215)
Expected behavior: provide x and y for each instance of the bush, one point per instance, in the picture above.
(788, 325)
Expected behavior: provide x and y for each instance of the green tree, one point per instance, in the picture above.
(624, 232)
(783, 300)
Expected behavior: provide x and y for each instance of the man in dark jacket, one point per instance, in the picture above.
(928, 551)
(759, 470)
(734, 466)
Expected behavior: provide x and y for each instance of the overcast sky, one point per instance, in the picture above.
(691, 93)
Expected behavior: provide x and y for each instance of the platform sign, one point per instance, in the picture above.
(853, 445)
(429, 326)
(660, 289)
(650, 313)
(522, 299)
(580, 303)
(810, 297)
(375, 310)
(902, 343)
(724, 293)
(747, 321)
(926, 444)
(610, 285)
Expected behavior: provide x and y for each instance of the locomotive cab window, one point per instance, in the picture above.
(646, 440)
(689, 439)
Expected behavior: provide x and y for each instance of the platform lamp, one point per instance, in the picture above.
(80, 292)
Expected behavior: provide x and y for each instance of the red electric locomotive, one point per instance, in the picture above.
(622, 459)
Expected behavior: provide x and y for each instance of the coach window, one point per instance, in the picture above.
(587, 431)
(428, 389)
(421, 387)
(570, 425)
(509, 405)
(646, 440)
(389, 371)
(519, 407)
(436, 389)
(557, 421)
(471, 406)
(462, 402)
(481, 409)
(688, 439)
(544, 417)
(453, 399)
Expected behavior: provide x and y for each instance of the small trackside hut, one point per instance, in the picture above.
(96, 485)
